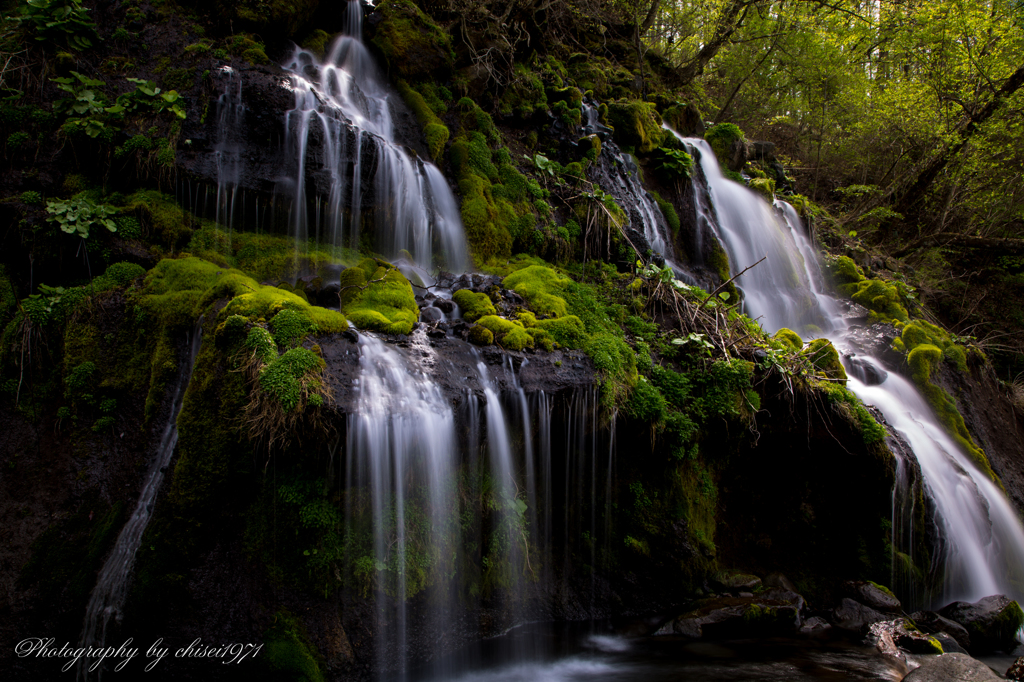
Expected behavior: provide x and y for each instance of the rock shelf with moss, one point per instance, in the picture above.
(375, 295)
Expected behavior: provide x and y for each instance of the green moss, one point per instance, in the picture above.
(540, 286)
(541, 338)
(507, 333)
(923, 360)
(765, 187)
(669, 211)
(288, 654)
(721, 138)
(646, 403)
(435, 133)
(292, 378)
(386, 304)
(413, 46)
(719, 262)
(879, 296)
(637, 124)
(480, 335)
(790, 338)
(8, 299)
(473, 305)
(568, 331)
(845, 271)
(850, 405)
(316, 42)
(524, 95)
(824, 356)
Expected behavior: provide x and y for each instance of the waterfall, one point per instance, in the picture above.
(401, 451)
(343, 104)
(228, 147)
(982, 539)
(112, 583)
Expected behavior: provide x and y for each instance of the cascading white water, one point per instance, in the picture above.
(345, 96)
(982, 536)
(401, 449)
(114, 578)
(228, 148)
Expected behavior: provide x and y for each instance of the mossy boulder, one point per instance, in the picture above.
(480, 335)
(473, 305)
(884, 298)
(825, 358)
(540, 286)
(637, 125)
(685, 119)
(992, 622)
(375, 295)
(726, 139)
(508, 334)
(568, 331)
(412, 44)
(765, 187)
(790, 338)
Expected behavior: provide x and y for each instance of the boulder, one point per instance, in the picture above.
(992, 622)
(851, 615)
(814, 625)
(444, 304)
(949, 644)
(735, 581)
(1016, 671)
(727, 617)
(779, 581)
(429, 314)
(952, 668)
(905, 636)
(929, 621)
(873, 595)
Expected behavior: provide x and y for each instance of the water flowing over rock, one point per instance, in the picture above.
(107, 598)
(981, 538)
(343, 102)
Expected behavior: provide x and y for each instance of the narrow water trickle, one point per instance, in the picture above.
(107, 598)
(343, 104)
(982, 539)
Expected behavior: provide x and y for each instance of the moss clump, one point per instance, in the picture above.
(525, 94)
(646, 403)
(284, 16)
(637, 124)
(293, 378)
(669, 211)
(316, 42)
(790, 338)
(824, 356)
(540, 286)
(920, 332)
(288, 653)
(290, 326)
(765, 187)
(885, 299)
(845, 271)
(850, 405)
(722, 137)
(719, 262)
(376, 296)
(413, 46)
(923, 360)
(473, 305)
(568, 331)
(260, 343)
(508, 334)
(481, 336)
(542, 338)
(435, 133)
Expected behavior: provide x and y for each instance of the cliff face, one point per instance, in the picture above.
(653, 436)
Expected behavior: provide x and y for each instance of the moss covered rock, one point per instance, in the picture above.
(824, 356)
(726, 139)
(509, 334)
(473, 305)
(270, 17)
(540, 286)
(789, 338)
(413, 45)
(637, 124)
(375, 295)
(480, 335)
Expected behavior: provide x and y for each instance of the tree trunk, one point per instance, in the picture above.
(732, 19)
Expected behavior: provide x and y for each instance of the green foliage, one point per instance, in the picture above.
(78, 214)
(646, 403)
(540, 286)
(434, 132)
(413, 46)
(509, 334)
(288, 654)
(674, 164)
(56, 20)
(824, 356)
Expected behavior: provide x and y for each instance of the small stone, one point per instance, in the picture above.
(431, 314)
(734, 581)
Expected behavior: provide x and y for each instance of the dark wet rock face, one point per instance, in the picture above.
(933, 622)
(1016, 671)
(873, 596)
(992, 622)
(851, 615)
(952, 668)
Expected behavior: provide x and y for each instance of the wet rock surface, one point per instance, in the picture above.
(992, 622)
(853, 616)
(931, 621)
(952, 668)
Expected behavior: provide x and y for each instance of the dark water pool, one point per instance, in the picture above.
(567, 653)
